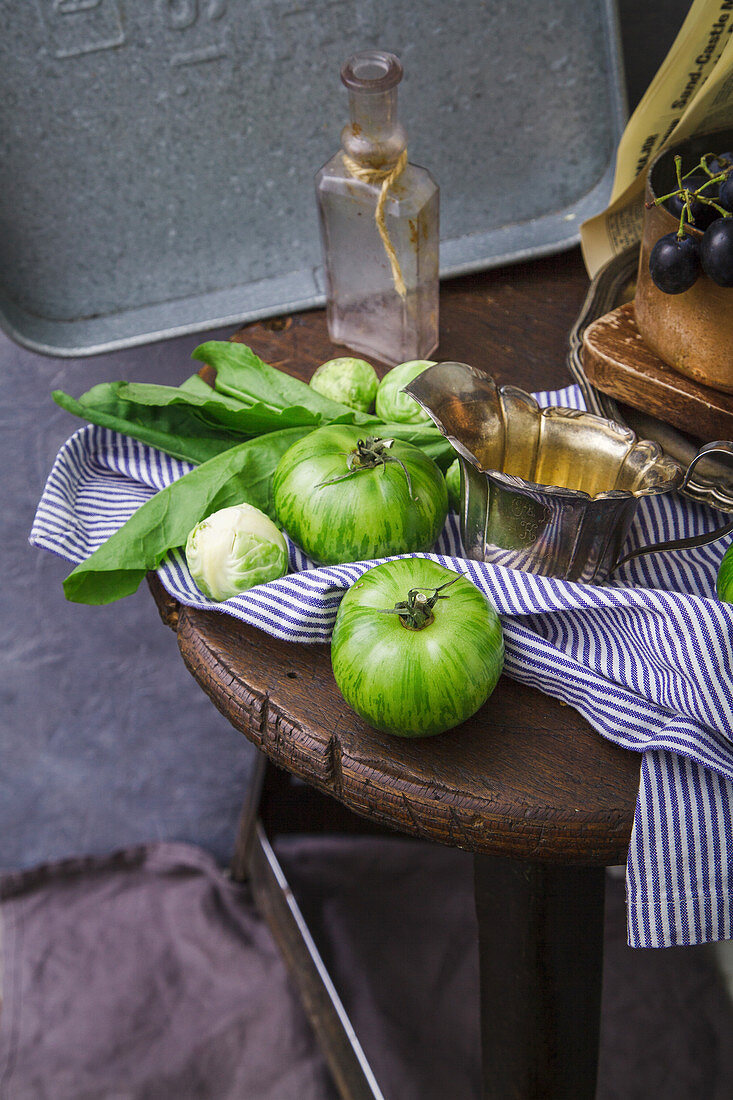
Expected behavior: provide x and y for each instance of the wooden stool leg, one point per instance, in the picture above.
(248, 820)
(254, 861)
(541, 960)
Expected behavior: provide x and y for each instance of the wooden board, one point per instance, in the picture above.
(618, 362)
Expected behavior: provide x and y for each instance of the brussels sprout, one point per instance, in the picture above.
(233, 550)
(353, 382)
(392, 405)
(453, 485)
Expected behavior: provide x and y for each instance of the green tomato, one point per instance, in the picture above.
(394, 406)
(725, 577)
(343, 498)
(416, 682)
(453, 485)
(353, 382)
(233, 550)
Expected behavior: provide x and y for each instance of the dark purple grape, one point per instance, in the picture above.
(674, 264)
(725, 194)
(711, 190)
(716, 252)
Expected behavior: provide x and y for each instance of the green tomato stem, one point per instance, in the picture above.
(368, 454)
(416, 612)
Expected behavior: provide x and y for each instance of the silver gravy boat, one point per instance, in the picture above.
(551, 491)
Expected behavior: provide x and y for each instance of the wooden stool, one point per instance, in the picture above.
(542, 800)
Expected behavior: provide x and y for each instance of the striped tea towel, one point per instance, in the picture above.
(647, 659)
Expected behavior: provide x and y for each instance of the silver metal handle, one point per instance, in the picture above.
(720, 446)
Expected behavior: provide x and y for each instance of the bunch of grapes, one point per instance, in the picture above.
(704, 199)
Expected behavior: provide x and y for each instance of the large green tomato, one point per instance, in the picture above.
(345, 498)
(725, 577)
(409, 679)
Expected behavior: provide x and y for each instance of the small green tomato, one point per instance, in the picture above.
(353, 382)
(453, 485)
(392, 405)
(233, 550)
(725, 577)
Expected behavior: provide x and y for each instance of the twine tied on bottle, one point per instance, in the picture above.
(386, 177)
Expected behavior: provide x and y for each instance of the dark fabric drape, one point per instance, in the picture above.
(148, 975)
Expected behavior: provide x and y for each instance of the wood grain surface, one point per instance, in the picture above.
(618, 362)
(526, 777)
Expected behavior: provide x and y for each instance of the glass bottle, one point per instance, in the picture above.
(375, 305)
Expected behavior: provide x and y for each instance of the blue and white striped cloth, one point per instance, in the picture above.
(647, 659)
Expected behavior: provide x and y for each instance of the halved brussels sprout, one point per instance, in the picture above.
(233, 550)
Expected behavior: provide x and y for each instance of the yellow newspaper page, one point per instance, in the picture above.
(683, 98)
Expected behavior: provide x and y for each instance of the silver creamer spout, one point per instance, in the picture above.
(464, 405)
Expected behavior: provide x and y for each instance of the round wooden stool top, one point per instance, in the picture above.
(526, 777)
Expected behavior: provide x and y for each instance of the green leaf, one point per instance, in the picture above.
(196, 384)
(242, 374)
(241, 475)
(183, 423)
(218, 410)
(182, 436)
(425, 436)
(195, 422)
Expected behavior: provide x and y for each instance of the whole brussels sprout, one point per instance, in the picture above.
(233, 550)
(353, 382)
(394, 406)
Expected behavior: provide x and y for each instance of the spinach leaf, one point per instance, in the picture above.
(216, 409)
(196, 384)
(424, 436)
(194, 421)
(180, 422)
(243, 474)
(178, 434)
(242, 374)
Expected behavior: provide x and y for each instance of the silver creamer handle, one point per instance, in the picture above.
(720, 446)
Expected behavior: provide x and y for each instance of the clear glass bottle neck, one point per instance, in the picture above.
(373, 135)
(373, 112)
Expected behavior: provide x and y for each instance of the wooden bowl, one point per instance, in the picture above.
(692, 332)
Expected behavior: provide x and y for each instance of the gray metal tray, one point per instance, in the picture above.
(157, 161)
(712, 482)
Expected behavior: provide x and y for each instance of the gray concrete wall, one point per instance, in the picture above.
(105, 739)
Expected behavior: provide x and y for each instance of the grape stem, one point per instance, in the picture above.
(704, 165)
(678, 170)
(688, 195)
